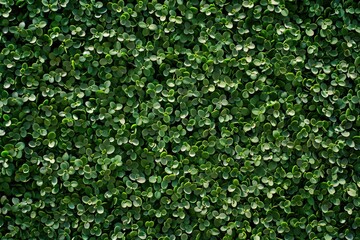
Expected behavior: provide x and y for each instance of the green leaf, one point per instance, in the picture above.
(152, 179)
(214, 232)
(4, 153)
(309, 32)
(290, 76)
(352, 192)
(52, 135)
(153, 27)
(357, 61)
(110, 149)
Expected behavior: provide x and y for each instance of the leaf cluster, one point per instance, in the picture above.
(170, 119)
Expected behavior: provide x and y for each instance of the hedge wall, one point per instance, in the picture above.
(179, 119)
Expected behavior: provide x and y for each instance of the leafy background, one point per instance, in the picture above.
(179, 119)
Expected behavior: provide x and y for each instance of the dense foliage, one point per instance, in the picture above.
(179, 119)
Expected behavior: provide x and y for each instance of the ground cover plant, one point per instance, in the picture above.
(199, 119)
